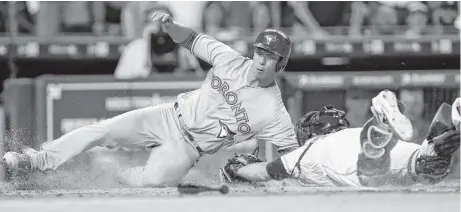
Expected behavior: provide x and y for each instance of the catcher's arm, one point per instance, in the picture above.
(287, 166)
(248, 168)
(255, 172)
(264, 171)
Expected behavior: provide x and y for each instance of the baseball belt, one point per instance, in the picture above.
(184, 131)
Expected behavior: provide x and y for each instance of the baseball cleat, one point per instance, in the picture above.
(385, 108)
(14, 161)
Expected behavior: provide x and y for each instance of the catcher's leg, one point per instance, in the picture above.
(431, 163)
(379, 136)
(410, 163)
(132, 129)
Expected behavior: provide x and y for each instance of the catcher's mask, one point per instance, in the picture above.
(325, 121)
(276, 42)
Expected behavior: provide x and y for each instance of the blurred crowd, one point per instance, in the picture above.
(229, 19)
(152, 50)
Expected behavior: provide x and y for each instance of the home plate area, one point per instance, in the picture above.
(83, 186)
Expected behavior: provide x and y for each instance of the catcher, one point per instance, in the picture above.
(331, 154)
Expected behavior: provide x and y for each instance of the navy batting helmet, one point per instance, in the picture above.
(327, 120)
(276, 42)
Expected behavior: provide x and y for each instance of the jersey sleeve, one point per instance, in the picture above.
(280, 132)
(276, 170)
(133, 61)
(212, 51)
(290, 160)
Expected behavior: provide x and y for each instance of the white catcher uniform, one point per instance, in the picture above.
(339, 159)
(332, 160)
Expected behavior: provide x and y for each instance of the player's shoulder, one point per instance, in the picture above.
(274, 93)
(349, 132)
(237, 69)
(240, 62)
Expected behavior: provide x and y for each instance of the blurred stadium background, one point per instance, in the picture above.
(67, 64)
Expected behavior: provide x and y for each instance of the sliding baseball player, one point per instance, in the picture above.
(239, 100)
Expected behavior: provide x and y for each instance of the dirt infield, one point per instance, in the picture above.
(272, 196)
(87, 188)
(239, 199)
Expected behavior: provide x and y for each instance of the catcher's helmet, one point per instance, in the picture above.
(275, 42)
(327, 120)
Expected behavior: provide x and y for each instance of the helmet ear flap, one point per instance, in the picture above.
(280, 69)
(282, 64)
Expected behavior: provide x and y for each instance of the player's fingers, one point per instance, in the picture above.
(165, 18)
(156, 17)
(153, 17)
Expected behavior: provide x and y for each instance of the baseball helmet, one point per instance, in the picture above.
(276, 42)
(325, 121)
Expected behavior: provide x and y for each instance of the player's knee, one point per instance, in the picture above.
(149, 181)
(157, 180)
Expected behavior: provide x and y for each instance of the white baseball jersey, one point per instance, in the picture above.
(226, 109)
(332, 159)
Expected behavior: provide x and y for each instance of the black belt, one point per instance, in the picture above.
(184, 130)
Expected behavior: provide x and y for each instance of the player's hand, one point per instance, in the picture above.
(165, 19)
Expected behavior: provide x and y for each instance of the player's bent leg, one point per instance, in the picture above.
(379, 136)
(387, 110)
(431, 163)
(427, 163)
(167, 165)
(400, 160)
(55, 153)
(129, 128)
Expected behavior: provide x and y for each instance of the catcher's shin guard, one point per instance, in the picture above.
(379, 136)
(387, 126)
(433, 161)
(374, 160)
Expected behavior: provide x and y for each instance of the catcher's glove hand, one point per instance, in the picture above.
(228, 173)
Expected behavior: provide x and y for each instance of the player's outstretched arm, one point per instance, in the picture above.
(179, 33)
(200, 45)
(255, 172)
(264, 171)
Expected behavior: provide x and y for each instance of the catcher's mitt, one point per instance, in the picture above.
(228, 172)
